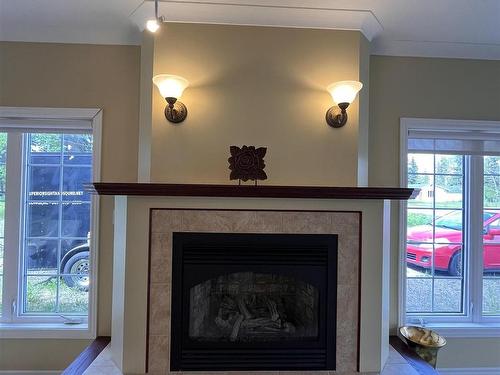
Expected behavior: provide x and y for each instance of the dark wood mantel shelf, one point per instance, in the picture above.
(250, 191)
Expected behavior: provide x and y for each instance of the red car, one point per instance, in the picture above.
(448, 238)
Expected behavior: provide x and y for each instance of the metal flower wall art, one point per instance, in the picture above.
(247, 163)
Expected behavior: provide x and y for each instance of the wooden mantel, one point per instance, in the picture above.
(250, 191)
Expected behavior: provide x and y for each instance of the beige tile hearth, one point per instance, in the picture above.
(396, 365)
(345, 224)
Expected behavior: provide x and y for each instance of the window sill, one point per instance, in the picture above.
(44, 331)
(479, 330)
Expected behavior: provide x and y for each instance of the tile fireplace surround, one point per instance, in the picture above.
(347, 225)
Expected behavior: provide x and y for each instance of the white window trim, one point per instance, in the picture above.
(449, 326)
(72, 118)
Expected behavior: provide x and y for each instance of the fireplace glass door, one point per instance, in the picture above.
(253, 302)
(251, 307)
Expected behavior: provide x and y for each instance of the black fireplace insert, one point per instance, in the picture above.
(253, 302)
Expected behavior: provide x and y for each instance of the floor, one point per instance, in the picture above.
(397, 365)
(103, 364)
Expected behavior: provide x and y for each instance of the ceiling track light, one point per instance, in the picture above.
(154, 24)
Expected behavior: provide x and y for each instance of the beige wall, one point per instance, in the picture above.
(262, 86)
(428, 88)
(57, 75)
(257, 86)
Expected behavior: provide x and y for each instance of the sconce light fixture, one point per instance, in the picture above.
(171, 88)
(343, 94)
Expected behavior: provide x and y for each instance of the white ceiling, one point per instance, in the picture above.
(440, 28)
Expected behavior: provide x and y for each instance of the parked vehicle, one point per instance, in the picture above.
(74, 265)
(447, 243)
(58, 217)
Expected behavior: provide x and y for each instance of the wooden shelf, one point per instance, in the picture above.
(249, 191)
(85, 358)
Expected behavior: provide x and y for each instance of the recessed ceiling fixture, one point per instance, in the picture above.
(154, 24)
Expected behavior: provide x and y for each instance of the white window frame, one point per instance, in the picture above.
(474, 324)
(20, 118)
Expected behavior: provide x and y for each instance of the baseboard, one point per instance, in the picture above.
(470, 371)
(22, 372)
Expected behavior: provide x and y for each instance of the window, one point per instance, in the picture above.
(3, 157)
(47, 220)
(451, 242)
(56, 217)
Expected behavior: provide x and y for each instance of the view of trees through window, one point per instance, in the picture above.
(435, 253)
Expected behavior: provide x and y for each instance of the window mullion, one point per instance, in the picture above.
(12, 226)
(475, 235)
(60, 224)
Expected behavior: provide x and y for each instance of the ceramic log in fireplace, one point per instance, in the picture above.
(253, 301)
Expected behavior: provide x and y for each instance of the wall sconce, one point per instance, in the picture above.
(171, 88)
(343, 94)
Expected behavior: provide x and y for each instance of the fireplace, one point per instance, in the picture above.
(253, 301)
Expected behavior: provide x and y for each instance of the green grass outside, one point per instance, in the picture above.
(41, 297)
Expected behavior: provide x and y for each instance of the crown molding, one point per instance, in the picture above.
(436, 49)
(269, 13)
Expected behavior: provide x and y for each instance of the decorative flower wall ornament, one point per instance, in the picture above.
(247, 163)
